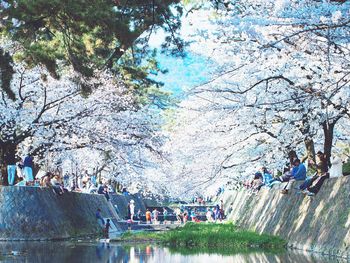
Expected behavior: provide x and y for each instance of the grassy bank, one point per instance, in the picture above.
(209, 236)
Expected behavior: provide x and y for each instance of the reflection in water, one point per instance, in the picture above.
(57, 252)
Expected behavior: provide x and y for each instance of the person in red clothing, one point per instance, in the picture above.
(148, 216)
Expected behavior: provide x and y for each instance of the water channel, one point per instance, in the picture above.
(93, 252)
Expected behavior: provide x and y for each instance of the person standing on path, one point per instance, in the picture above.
(155, 216)
(165, 214)
(106, 229)
(132, 209)
(28, 169)
(11, 167)
(148, 216)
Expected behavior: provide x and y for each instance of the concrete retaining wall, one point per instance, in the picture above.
(32, 213)
(122, 201)
(319, 224)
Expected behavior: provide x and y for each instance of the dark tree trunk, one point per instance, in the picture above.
(308, 141)
(328, 131)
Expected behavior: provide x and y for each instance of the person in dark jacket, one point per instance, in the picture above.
(10, 159)
(28, 169)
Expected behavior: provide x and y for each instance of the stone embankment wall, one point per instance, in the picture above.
(32, 213)
(319, 224)
(121, 203)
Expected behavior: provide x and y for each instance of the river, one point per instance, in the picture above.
(93, 252)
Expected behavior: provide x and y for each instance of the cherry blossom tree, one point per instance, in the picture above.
(52, 118)
(282, 83)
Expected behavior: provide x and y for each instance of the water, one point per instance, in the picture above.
(59, 252)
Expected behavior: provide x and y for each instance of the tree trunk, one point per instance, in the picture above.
(310, 150)
(308, 141)
(328, 130)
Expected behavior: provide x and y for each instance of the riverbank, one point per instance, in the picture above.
(319, 224)
(37, 213)
(97, 252)
(203, 235)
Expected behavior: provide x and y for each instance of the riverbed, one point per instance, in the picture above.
(95, 252)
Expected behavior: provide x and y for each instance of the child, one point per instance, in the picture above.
(165, 214)
(148, 216)
(155, 216)
(106, 229)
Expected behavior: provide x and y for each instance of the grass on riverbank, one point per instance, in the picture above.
(209, 236)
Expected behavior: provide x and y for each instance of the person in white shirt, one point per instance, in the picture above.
(132, 209)
(336, 168)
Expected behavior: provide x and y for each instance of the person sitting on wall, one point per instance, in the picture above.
(298, 174)
(125, 192)
(267, 177)
(57, 185)
(45, 180)
(100, 188)
(106, 193)
(257, 182)
(312, 186)
(286, 176)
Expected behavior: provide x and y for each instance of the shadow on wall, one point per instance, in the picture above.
(38, 214)
(320, 223)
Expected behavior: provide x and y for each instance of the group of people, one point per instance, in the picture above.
(20, 173)
(218, 213)
(153, 217)
(296, 171)
(20, 169)
(195, 214)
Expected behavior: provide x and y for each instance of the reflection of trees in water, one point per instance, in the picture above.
(54, 252)
(285, 257)
(57, 252)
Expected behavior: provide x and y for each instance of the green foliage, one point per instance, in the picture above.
(137, 73)
(6, 73)
(86, 34)
(346, 168)
(210, 236)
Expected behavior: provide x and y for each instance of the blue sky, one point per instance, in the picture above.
(184, 73)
